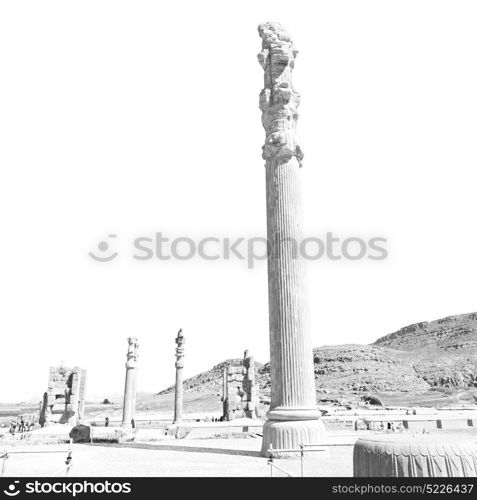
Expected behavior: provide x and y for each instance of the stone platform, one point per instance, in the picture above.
(405, 455)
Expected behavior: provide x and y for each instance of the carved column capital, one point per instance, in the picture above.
(131, 357)
(279, 101)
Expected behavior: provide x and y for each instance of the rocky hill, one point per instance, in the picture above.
(437, 355)
(362, 368)
(446, 334)
(211, 380)
(443, 352)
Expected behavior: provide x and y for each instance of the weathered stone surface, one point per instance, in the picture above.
(293, 409)
(420, 425)
(406, 455)
(65, 398)
(453, 423)
(240, 393)
(80, 434)
(278, 100)
(130, 383)
(179, 388)
(289, 435)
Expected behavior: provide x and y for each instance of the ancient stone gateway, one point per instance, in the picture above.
(65, 398)
(293, 416)
(130, 384)
(179, 389)
(240, 390)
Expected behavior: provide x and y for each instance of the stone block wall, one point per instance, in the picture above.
(240, 395)
(65, 397)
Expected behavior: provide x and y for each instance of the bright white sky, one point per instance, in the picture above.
(142, 116)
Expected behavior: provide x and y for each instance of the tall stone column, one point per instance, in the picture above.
(73, 399)
(293, 418)
(129, 403)
(179, 394)
(225, 393)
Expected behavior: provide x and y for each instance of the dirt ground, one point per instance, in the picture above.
(215, 457)
(210, 457)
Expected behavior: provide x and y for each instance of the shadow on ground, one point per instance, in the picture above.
(191, 449)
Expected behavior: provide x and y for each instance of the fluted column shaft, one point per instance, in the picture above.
(179, 396)
(179, 392)
(293, 416)
(129, 401)
(292, 384)
(134, 392)
(128, 398)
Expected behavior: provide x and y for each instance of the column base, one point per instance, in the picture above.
(289, 435)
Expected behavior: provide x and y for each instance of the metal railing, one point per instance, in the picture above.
(225, 428)
(5, 455)
(303, 448)
(274, 466)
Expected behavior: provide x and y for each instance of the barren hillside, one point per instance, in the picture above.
(437, 355)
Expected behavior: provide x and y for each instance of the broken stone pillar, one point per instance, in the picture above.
(225, 391)
(251, 398)
(45, 412)
(129, 403)
(65, 399)
(293, 418)
(82, 399)
(240, 390)
(179, 393)
(224, 384)
(73, 397)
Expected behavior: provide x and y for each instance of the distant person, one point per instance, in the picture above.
(22, 426)
(106, 422)
(133, 423)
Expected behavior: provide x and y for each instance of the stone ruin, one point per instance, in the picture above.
(240, 390)
(65, 399)
(293, 417)
(130, 384)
